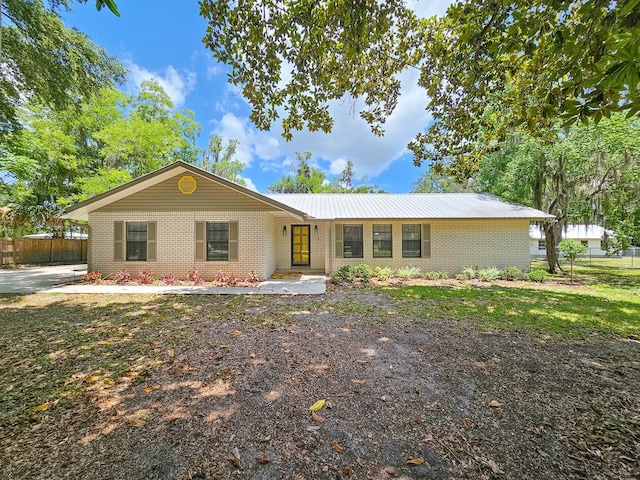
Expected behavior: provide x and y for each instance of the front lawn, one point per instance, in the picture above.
(460, 379)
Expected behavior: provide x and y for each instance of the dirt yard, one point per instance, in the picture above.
(405, 398)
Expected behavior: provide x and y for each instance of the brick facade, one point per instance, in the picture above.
(455, 244)
(176, 243)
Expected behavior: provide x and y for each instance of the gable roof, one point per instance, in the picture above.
(330, 206)
(81, 210)
(345, 206)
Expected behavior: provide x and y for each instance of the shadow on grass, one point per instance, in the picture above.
(533, 310)
(57, 348)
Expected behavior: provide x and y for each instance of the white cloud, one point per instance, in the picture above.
(251, 142)
(248, 183)
(177, 85)
(213, 71)
(351, 137)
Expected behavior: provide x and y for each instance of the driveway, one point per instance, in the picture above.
(52, 279)
(38, 279)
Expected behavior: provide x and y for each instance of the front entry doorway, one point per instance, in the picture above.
(300, 246)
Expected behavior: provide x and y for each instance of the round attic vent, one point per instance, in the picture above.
(187, 184)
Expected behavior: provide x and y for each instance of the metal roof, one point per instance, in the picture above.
(410, 205)
(576, 232)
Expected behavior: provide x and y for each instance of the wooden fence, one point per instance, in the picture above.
(42, 251)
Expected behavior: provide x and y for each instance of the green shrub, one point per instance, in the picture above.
(467, 273)
(344, 274)
(408, 272)
(363, 271)
(511, 273)
(488, 274)
(436, 275)
(383, 273)
(537, 275)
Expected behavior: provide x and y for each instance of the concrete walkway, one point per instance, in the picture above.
(51, 279)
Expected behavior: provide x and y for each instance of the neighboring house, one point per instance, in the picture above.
(591, 236)
(180, 218)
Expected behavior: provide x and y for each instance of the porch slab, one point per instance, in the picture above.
(59, 279)
(304, 285)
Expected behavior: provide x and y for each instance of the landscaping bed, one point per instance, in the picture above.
(432, 381)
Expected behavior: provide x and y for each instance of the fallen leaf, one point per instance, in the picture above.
(43, 406)
(493, 466)
(93, 378)
(313, 428)
(491, 309)
(236, 332)
(137, 422)
(336, 447)
(148, 389)
(262, 460)
(9, 388)
(317, 417)
(359, 382)
(390, 470)
(234, 460)
(415, 461)
(171, 352)
(495, 404)
(316, 407)
(348, 471)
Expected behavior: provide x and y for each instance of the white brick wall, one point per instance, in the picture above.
(317, 246)
(176, 243)
(455, 244)
(263, 248)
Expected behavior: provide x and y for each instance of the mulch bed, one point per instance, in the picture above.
(407, 398)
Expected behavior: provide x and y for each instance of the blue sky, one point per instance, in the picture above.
(158, 39)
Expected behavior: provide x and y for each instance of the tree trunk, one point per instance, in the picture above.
(552, 236)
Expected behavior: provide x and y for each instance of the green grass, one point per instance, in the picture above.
(601, 299)
(59, 349)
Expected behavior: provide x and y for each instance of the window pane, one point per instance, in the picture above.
(217, 241)
(137, 241)
(382, 241)
(352, 235)
(411, 241)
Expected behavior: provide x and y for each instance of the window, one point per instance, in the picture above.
(411, 241)
(542, 245)
(352, 235)
(218, 241)
(137, 241)
(382, 241)
(585, 242)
